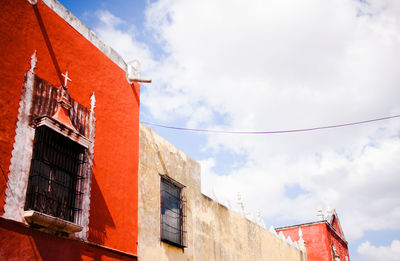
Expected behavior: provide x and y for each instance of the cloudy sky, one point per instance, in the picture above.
(275, 65)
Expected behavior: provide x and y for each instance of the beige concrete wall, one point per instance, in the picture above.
(214, 232)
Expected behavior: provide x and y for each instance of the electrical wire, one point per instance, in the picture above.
(270, 132)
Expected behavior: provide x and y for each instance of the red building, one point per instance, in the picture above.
(69, 132)
(324, 239)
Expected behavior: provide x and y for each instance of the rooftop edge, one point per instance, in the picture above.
(86, 32)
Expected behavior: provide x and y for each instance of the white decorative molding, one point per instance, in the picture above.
(62, 129)
(240, 204)
(289, 240)
(84, 219)
(32, 2)
(21, 160)
(133, 72)
(51, 223)
(20, 156)
(92, 103)
(281, 236)
(320, 213)
(272, 230)
(301, 243)
(33, 62)
(259, 220)
(329, 214)
(81, 28)
(133, 69)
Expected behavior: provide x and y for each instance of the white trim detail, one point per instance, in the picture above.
(86, 190)
(21, 155)
(272, 230)
(63, 130)
(133, 72)
(81, 28)
(51, 223)
(86, 32)
(33, 62)
(92, 104)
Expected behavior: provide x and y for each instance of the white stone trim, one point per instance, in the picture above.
(133, 73)
(84, 219)
(33, 62)
(51, 223)
(21, 156)
(62, 129)
(21, 160)
(86, 32)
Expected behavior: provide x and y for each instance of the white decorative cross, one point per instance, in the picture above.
(66, 79)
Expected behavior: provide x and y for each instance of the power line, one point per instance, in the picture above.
(270, 132)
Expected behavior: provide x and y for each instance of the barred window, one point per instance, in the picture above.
(55, 176)
(172, 212)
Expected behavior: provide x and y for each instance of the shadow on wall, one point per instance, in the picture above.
(100, 216)
(136, 89)
(19, 242)
(48, 43)
(3, 188)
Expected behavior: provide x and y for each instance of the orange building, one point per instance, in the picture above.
(324, 239)
(69, 134)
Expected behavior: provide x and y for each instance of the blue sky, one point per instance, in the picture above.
(275, 65)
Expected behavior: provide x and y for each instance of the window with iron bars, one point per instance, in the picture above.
(173, 212)
(56, 175)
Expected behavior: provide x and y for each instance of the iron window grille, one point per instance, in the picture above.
(173, 212)
(56, 176)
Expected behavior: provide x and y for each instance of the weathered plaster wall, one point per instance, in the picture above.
(25, 28)
(213, 231)
(157, 156)
(228, 236)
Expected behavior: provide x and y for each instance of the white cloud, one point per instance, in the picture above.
(370, 252)
(267, 65)
(282, 64)
(123, 41)
(363, 187)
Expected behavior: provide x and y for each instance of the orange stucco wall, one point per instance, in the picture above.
(114, 193)
(18, 242)
(336, 225)
(319, 240)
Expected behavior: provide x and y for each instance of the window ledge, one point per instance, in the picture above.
(51, 223)
(179, 245)
(62, 129)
